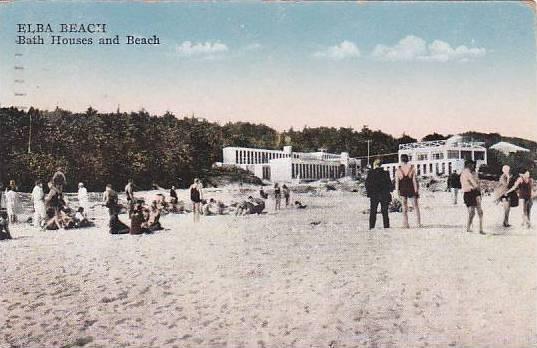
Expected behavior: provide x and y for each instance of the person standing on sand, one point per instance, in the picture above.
(11, 204)
(286, 194)
(83, 200)
(59, 180)
(38, 196)
(277, 197)
(504, 194)
(196, 196)
(110, 200)
(129, 192)
(378, 187)
(406, 184)
(454, 185)
(524, 184)
(472, 194)
(173, 193)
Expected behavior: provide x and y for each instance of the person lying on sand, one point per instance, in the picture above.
(4, 226)
(299, 205)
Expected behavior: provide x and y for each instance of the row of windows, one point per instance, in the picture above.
(315, 171)
(258, 157)
(451, 154)
(431, 168)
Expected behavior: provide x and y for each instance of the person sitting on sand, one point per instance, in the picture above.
(299, 205)
(472, 194)
(138, 219)
(116, 226)
(208, 207)
(243, 208)
(4, 226)
(80, 219)
(262, 193)
(220, 208)
(52, 221)
(151, 219)
(257, 205)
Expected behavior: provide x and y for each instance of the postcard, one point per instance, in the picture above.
(268, 174)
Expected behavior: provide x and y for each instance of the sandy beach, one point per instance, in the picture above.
(296, 278)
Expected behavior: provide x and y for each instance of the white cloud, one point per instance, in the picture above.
(345, 49)
(189, 49)
(252, 47)
(415, 48)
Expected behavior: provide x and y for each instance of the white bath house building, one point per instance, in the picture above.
(440, 157)
(288, 166)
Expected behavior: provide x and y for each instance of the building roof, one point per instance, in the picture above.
(506, 148)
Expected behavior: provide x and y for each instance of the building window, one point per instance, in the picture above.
(431, 168)
(479, 155)
(438, 156)
(467, 155)
(450, 168)
(422, 157)
(453, 154)
(424, 169)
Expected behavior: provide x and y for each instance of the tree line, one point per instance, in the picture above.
(99, 148)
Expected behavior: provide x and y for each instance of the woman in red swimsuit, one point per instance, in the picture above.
(406, 184)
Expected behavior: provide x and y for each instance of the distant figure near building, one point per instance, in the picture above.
(59, 180)
(38, 197)
(196, 196)
(277, 197)
(472, 194)
(83, 200)
(378, 187)
(286, 194)
(524, 184)
(454, 184)
(407, 186)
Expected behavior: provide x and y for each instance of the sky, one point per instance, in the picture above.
(414, 68)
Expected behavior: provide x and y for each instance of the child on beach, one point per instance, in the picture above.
(286, 194)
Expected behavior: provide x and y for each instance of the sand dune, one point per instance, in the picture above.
(275, 280)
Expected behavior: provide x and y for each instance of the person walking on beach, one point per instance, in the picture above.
(504, 194)
(524, 184)
(471, 189)
(406, 184)
(286, 195)
(59, 180)
(277, 197)
(454, 185)
(196, 196)
(38, 196)
(378, 187)
(83, 200)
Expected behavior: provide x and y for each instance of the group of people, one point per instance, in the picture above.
(510, 190)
